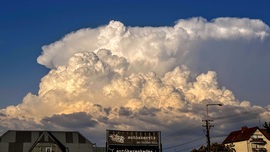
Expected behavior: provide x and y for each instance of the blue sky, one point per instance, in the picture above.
(100, 64)
(28, 25)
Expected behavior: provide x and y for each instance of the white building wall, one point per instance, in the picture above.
(267, 145)
(241, 146)
(246, 146)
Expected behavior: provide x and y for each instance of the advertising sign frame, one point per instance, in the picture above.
(133, 141)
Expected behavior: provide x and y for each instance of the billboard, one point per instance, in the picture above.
(133, 141)
(117, 148)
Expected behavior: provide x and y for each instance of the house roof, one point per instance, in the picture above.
(61, 146)
(48, 132)
(244, 134)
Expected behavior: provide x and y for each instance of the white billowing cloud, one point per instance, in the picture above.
(225, 28)
(136, 78)
(154, 48)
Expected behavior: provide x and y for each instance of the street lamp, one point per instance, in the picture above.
(208, 125)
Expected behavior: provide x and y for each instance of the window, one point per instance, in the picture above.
(256, 136)
(81, 139)
(48, 149)
(258, 148)
(69, 137)
(23, 136)
(14, 147)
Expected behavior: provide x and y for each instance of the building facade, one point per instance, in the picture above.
(44, 141)
(247, 139)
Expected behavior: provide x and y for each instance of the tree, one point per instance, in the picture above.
(267, 127)
(215, 147)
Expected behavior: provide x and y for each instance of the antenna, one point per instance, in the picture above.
(260, 126)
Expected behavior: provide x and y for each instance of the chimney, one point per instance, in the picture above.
(244, 128)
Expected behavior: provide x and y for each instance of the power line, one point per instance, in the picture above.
(242, 115)
(230, 119)
(185, 129)
(190, 147)
(240, 119)
(182, 144)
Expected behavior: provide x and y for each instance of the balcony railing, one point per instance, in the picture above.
(259, 150)
(258, 141)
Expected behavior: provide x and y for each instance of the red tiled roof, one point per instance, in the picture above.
(265, 133)
(244, 134)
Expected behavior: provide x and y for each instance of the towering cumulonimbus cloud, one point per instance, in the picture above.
(137, 78)
(154, 48)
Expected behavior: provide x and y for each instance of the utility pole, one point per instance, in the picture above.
(208, 126)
